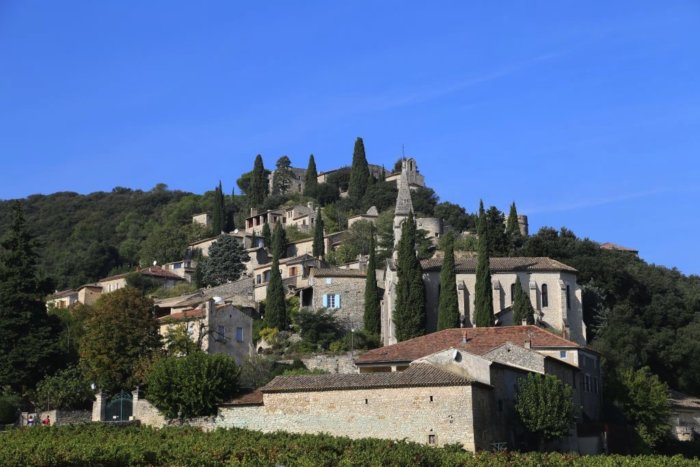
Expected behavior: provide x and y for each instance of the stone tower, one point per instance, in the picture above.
(404, 205)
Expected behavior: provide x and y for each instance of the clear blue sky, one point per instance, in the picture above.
(587, 114)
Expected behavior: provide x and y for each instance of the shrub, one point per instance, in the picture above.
(9, 408)
(67, 390)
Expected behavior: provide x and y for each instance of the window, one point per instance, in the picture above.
(239, 334)
(331, 301)
(432, 440)
(258, 279)
(292, 271)
(431, 398)
(221, 332)
(545, 296)
(562, 354)
(512, 293)
(568, 298)
(266, 276)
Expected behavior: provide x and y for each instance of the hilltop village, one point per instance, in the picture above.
(351, 301)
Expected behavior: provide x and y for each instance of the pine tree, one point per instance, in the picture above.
(372, 317)
(448, 308)
(218, 218)
(275, 305)
(483, 300)
(359, 172)
(319, 246)
(258, 183)
(282, 177)
(512, 226)
(267, 235)
(225, 261)
(311, 179)
(230, 209)
(279, 241)
(29, 337)
(409, 314)
(522, 307)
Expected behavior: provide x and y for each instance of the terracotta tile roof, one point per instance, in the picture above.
(529, 264)
(248, 398)
(62, 294)
(479, 342)
(615, 246)
(420, 375)
(338, 272)
(184, 315)
(157, 271)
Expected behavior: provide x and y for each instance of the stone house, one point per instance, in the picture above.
(294, 271)
(255, 222)
(159, 275)
(217, 328)
(305, 246)
(370, 216)
(62, 299)
(340, 291)
(410, 168)
(297, 182)
(237, 293)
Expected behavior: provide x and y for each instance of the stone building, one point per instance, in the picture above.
(341, 292)
(296, 183)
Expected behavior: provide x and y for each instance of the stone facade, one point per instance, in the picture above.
(331, 363)
(426, 415)
(342, 293)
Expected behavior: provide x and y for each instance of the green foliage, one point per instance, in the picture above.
(267, 235)
(339, 179)
(494, 220)
(409, 314)
(455, 216)
(193, 385)
(381, 195)
(334, 220)
(448, 306)
(311, 178)
(66, 390)
(218, 216)
(424, 201)
(522, 306)
(166, 243)
(385, 235)
(327, 193)
(318, 328)
(282, 176)
(225, 261)
(359, 173)
(29, 337)
(258, 186)
(183, 288)
(373, 311)
(483, 296)
(120, 330)
(279, 241)
(643, 400)
(180, 339)
(319, 245)
(9, 408)
(545, 406)
(143, 283)
(275, 305)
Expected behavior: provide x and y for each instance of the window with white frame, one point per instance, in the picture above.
(331, 301)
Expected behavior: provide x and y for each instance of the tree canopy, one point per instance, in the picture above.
(545, 405)
(448, 306)
(225, 261)
(483, 294)
(409, 312)
(359, 173)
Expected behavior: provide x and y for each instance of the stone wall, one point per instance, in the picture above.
(441, 414)
(352, 298)
(331, 363)
(147, 413)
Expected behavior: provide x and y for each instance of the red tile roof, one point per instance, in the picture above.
(479, 342)
(522, 263)
(157, 271)
(184, 315)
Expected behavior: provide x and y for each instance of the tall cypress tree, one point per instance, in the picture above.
(275, 305)
(218, 217)
(230, 209)
(311, 179)
(448, 308)
(483, 299)
(267, 235)
(258, 183)
(512, 227)
(319, 246)
(359, 172)
(522, 306)
(29, 337)
(372, 317)
(409, 314)
(279, 241)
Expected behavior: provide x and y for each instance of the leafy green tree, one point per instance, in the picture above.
(545, 405)
(385, 235)
(448, 306)
(643, 399)
(164, 243)
(279, 241)
(311, 179)
(319, 328)
(282, 176)
(225, 261)
(267, 235)
(66, 390)
(258, 183)
(29, 337)
(522, 306)
(319, 245)
(9, 408)
(334, 220)
(495, 230)
(218, 218)
(326, 194)
(512, 226)
(359, 173)
(409, 314)
(455, 216)
(483, 296)
(193, 385)
(121, 330)
(381, 195)
(373, 311)
(424, 201)
(275, 305)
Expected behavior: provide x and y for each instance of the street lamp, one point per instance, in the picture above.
(352, 341)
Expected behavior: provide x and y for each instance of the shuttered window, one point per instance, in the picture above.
(331, 301)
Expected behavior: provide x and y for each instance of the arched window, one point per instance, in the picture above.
(545, 296)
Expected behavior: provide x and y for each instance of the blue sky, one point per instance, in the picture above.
(587, 114)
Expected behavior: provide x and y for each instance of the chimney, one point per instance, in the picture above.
(528, 342)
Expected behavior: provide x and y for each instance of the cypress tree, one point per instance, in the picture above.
(311, 179)
(258, 183)
(372, 317)
(319, 246)
(409, 314)
(512, 227)
(448, 308)
(522, 307)
(230, 210)
(483, 300)
(279, 241)
(275, 305)
(359, 172)
(218, 217)
(267, 235)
